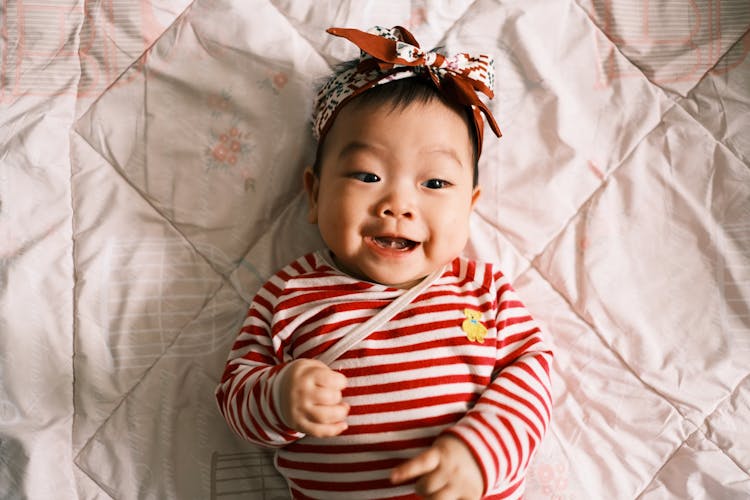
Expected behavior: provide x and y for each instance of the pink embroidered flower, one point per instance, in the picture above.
(546, 473)
(228, 146)
(280, 80)
(228, 149)
(219, 152)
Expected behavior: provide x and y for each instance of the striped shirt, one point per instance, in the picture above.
(464, 357)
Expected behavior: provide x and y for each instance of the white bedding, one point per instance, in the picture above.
(150, 179)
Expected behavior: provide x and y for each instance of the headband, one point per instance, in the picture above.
(389, 54)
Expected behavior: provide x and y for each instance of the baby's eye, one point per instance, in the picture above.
(436, 184)
(365, 177)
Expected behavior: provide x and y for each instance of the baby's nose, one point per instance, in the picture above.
(396, 212)
(396, 206)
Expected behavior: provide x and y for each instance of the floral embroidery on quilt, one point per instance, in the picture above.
(274, 81)
(551, 479)
(228, 145)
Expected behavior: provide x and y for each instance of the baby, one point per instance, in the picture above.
(387, 365)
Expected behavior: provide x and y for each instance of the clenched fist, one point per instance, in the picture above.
(311, 399)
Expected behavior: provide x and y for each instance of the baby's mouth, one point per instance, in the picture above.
(393, 243)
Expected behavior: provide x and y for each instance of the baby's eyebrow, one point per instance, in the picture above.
(358, 146)
(450, 152)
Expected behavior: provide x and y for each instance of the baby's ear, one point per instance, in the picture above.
(312, 186)
(475, 196)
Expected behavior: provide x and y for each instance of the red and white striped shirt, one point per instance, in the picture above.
(464, 357)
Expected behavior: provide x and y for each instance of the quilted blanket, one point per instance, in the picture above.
(151, 155)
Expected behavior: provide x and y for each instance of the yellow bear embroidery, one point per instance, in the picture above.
(475, 330)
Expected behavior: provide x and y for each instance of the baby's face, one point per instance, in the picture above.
(395, 192)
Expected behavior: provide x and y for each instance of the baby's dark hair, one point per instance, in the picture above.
(401, 93)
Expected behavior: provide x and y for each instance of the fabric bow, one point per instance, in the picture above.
(389, 54)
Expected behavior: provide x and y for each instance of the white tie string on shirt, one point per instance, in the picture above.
(363, 330)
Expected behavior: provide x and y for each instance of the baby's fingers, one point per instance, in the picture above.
(329, 379)
(327, 414)
(326, 421)
(326, 397)
(416, 467)
(326, 430)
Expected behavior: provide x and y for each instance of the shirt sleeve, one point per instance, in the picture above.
(248, 392)
(505, 427)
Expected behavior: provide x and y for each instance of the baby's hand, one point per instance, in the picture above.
(311, 400)
(447, 471)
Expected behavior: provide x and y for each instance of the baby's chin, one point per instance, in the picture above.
(396, 280)
(404, 280)
(401, 284)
